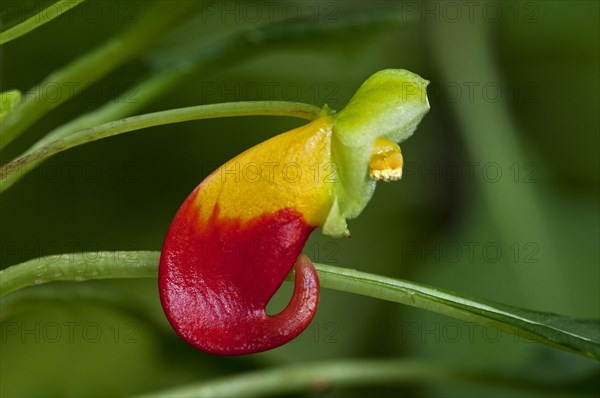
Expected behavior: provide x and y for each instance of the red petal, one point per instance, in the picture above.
(216, 278)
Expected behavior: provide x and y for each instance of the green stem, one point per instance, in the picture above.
(39, 19)
(554, 330)
(159, 19)
(318, 377)
(12, 171)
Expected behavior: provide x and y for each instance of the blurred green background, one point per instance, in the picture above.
(499, 198)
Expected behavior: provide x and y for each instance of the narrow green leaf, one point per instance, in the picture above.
(580, 336)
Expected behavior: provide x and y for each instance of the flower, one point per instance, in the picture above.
(242, 230)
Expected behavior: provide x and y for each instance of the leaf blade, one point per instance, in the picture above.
(580, 336)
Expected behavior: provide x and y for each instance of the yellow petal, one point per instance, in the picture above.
(291, 170)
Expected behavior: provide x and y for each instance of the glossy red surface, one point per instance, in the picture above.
(216, 278)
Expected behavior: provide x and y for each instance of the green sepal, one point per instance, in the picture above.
(391, 103)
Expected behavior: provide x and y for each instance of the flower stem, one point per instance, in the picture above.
(37, 20)
(14, 170)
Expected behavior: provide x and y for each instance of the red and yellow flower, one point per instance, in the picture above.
(242, 230)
